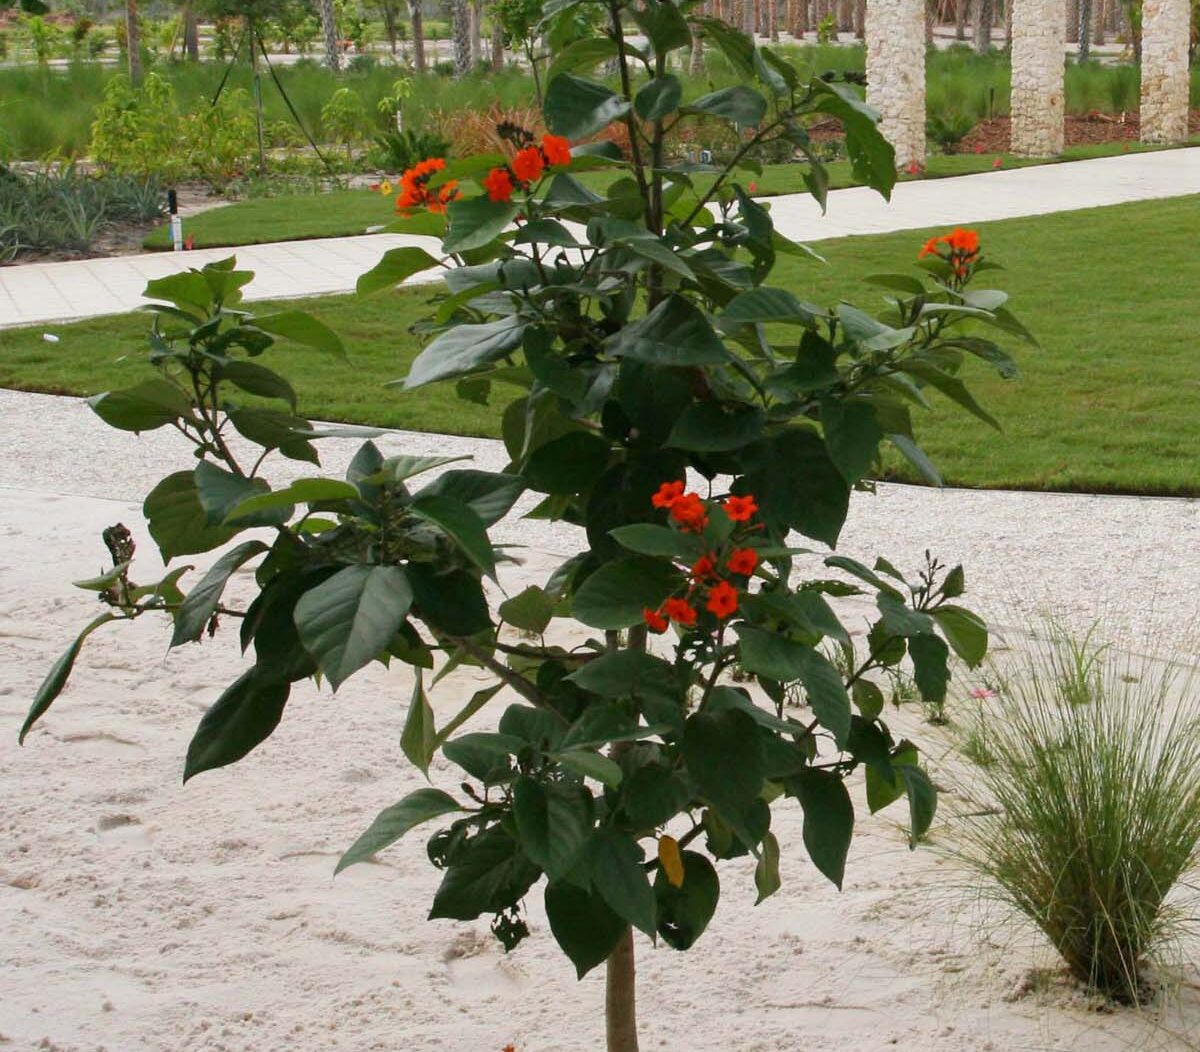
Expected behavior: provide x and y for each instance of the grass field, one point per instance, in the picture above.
(1110, 403)
(340, 213)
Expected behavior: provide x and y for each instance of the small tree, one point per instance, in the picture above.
(669, 400)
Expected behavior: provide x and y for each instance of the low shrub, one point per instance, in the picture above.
(396, 151)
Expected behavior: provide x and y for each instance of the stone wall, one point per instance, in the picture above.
(1165, 28)
(1038, 32)
(895, 34)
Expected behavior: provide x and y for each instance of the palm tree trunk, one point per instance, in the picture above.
(1085, 30)
(417, 19)
(475, 23)
(620, 1006)
(960, 20)
(133, 41)
(983, 26)
(191, 33)
(461, 29)
(329, 31)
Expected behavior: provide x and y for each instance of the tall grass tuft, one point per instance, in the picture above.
(1097, 815)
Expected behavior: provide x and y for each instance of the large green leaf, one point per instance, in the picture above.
(579, 108)
(663, 23)
(568, 464)
(766, 873)
(530, 610)
(798, 486)
(931, 670)
(220, 491)
(684, 911)
(828, 820)
(302, 328)
(554, 820)
(463, 349)
(177, 521)
(853, 434)
(922, 800)
(461, 525)
(476, 222)
(765, 305)
(302, 491)
(674, 333)
(583, 925)
(617, 874)
(349, 619)
(648, 538)
(450, 602)
(583, 54)
(419, 739)
(201, 603)
(659, 97)
(57, 677)
(258, 380)
(143, 407)
(489, 494)
(393, 822)
(239, 720)
(397, 265)
(739, 104)
(708, 427)
(735, 45)
(965, 632)
(615, 595)
(871, 155)
(725, 758)
(490, 873)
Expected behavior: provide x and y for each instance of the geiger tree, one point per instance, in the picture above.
(659, 392)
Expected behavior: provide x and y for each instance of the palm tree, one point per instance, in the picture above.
(417, 19)
(329, 30)
(133, 40)
(461, 28)
(983, 26)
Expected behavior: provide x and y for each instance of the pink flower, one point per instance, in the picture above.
(998, 163)
(982, 693)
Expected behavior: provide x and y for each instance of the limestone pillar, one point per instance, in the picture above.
(1165, 29)
(895, 32)
(1038, 39)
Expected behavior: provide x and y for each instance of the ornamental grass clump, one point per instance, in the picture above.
(1097, 816)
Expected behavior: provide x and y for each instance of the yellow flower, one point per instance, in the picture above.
(385, 188)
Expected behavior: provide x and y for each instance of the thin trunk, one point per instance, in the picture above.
(497, 44)
(461, 31)
(191, 33)
(983, 26)
(620, 1007)
(748, 26)
(860, 18)
(1008, 26)
(1072, 21)
(799, 23)
(696, 61)
(133, 41)
(930, 11)
(773, 20)
(417, 19)
(1085, 31)
(329, 31)
(475, 22)
(389, 23)
(1100, 28)
(960, 20)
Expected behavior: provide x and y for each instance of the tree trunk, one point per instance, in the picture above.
(1072, 21)
(329, 30)
(1085, 31)
(389, 23)
(133, 41)
(983, 26)
(191, 33)
(696, 62)
(461, 31)
(960, 20)
(799, 24)
(860, 17)
(773, 20)
(1101, 23)
(417, 19)
(475, 22)
(620, 1007)
(497, 44)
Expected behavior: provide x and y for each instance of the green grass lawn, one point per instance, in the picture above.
(1110, 403)
(297, 217)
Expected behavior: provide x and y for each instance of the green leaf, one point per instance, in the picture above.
(449, 602)
(766, 873)
(828, 820)
(592, 765)
(239, 720)
(350, 618)
(397, 265)
(632, 674)
(674, 333)
(530, 610)
(915, 455)
(871, 156)
(188, 290)
(143, 407)
(487, 874)
(221, 491)
(302, 491)
(798, 486)
(739, 104)
(393, 822)
(177, 521)
(852, 434)
(707, 427)
(57, 677)
(583, 925)
(767, 306)
(104, 581)
(617, 874)
(553, 820)
(402, 467)
(965, 632)
(202, 601)
(302, 328)
(735, 45)
(476, 222)
(922, 800)
(579, 108)
(883, 790)
(583, 54)
(658, 98)
(724, 757)
(653, 796)
(648, 538)
(664, 25)
(461, 525)
(931, 671)
(684, 911)
(951, 386)
(615, 595)
(568, 464)
(419, 739)
(463, 349)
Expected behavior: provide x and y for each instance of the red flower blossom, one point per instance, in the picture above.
(415, 191)
(680, 611)
(740, 509)
(557, 150)
(668, 493)
(528, 164)
(703, 568)
(722, 599)
(743, 561)
(654, 621)
(689, 511)
(499, 185)
(930, 248)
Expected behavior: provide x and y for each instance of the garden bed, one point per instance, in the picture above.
(995, 135)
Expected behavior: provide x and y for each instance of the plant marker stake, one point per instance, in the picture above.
(176, 221)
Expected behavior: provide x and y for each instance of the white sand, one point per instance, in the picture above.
(136, 914)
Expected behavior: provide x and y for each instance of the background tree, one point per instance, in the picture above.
(330, 33)
(460, 29)
(416, 20)
(133, 41)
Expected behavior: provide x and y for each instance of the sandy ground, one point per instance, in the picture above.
(138, 915)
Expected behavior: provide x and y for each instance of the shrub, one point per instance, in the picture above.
(949, 129)
(396, 151)
(221, 142)
(1099, 809)
(344, 118)
(137, 130)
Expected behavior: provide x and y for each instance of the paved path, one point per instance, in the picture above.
(38, 293)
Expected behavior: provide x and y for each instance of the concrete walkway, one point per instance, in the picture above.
(38, 293)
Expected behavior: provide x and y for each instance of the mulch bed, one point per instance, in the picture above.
(995, 135)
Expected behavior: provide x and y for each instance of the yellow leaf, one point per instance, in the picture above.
(671, 860)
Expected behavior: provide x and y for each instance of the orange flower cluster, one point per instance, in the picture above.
(707, 577)
(415, 191)
(527, 167)
(962, 249)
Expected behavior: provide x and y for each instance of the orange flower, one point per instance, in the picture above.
(557, 150)
(689, 511)
(528, 164)
(415, 191)
(654, 620)
(740, 509)
(930, 248)
(743, 561)
(722, 599)
(668, 493)
(704, 568)
(499, 185)
(680, 611)
(963, 241)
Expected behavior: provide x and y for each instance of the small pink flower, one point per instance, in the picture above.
(752, 187)
(982, 693)
(998, 162)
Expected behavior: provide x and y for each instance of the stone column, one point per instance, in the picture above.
(1038, 39)
(895, 32)
(1165, 29)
